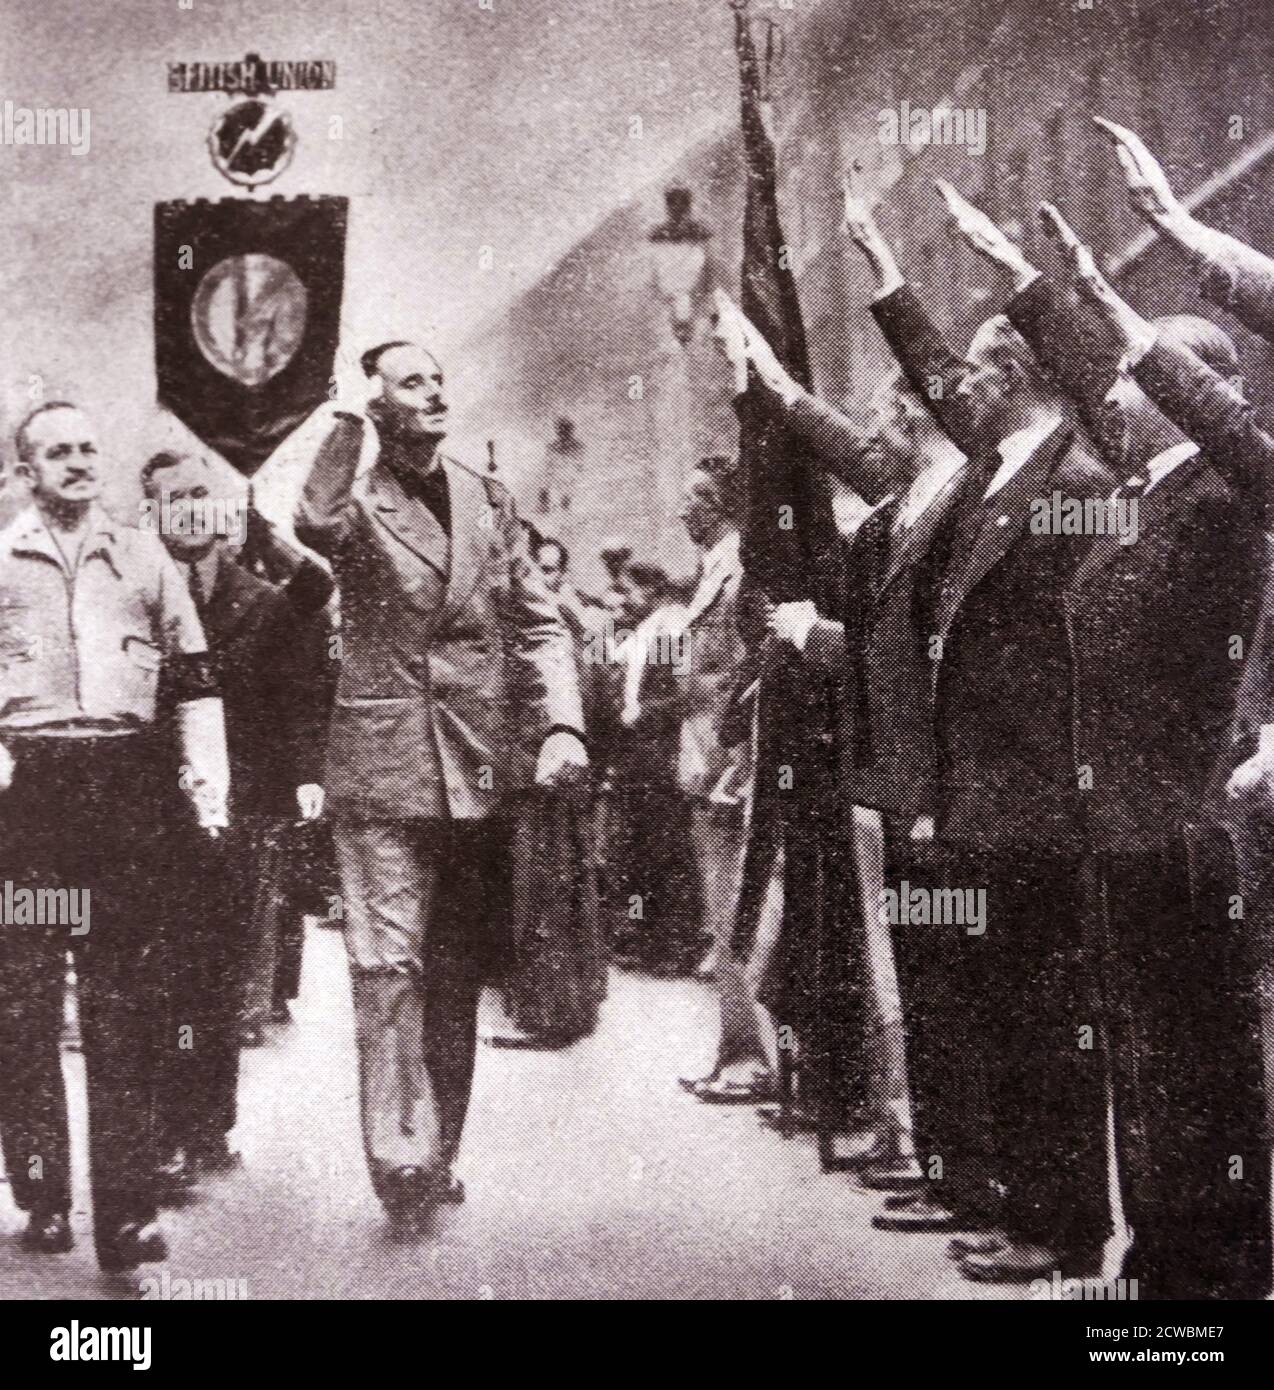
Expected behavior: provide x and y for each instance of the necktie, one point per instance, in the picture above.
(197, 591)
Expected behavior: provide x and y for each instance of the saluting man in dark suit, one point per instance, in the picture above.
(457, 686)
(1005, 812)
(1161, 633)
(909, 471)
(253, 629)
(1003, 1094)
(1239, 279)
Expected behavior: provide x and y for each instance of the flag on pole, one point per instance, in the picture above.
(790, 544)
(247, 317)
(792, 550)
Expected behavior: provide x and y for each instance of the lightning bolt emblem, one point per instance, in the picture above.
(254, 135)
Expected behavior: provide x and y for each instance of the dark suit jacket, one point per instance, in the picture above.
(456, 663)
(268, 648)
(268, 645)
(1161, 629)
(879, 645)
(1001, 662)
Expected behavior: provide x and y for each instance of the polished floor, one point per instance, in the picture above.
(590, 1174)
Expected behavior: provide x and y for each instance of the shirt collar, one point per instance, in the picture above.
(723, 555)
(31, 534)
(1162, 464)
(928, 483)
(1016, 448)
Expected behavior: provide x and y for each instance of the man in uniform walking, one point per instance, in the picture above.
(91, 614)
(457, 685)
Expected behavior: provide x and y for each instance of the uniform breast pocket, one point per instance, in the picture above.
(142, 653)
(138, 665)
(19, 642)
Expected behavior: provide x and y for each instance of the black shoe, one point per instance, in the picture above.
(449, 1190)
(896, 1176)
(688, 1083)
(130, 1245)
(920, 1214)
(404, 1189)
(216, 1156)
(900, 1201)
(47, 1233)
(280, 1013)
(174, 1178)
(795, 1119)
(1009, 1262)
(979, 1243)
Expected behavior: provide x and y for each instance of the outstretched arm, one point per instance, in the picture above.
(1063, 339)
(933, 369)
(1234, 275)
(325, 513)
(1201, 403)
(763, 385)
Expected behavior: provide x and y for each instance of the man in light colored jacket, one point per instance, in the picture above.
(457, 687)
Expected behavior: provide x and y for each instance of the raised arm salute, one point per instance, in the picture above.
(1233, 275)
(847, 451)
(1205, 405)
(458, 679)
(1159, 628)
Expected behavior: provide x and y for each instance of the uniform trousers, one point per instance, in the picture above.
(80, 815)
(718, 831)
(1179, 970)
(204, 957)
(425, 905)
(1007, 1069)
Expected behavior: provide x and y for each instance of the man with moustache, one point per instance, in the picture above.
(253, 629)
(457, 687)
(93, 616)
(1159, 631)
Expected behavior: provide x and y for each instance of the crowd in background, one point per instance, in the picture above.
(1048, 736)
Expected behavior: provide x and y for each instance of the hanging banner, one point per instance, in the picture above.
(247, 317)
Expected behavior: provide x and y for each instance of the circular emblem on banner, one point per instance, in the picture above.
(248, 317)
(252, 141)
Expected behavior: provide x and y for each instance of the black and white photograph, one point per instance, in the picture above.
(637, 664)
